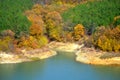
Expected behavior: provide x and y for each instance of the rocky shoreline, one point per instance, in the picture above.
(64, 47)
(92, 56)
(38, 54)
(25, 56)
(83, 54)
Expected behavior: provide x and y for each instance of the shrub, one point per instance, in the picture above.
(68, 36)
(32, 42)
(42, 40)
(88, 41)
(7, 33)
(6, 44)
(28, 42)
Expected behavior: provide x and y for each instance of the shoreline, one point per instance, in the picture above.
(94, 57)
(83, 54)
(38, 54)
(65, 47)
(26, 56)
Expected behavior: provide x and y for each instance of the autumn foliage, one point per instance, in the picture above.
(36, 30)
(54, 25)
(79, 32)
(45, 22)
(6, 43)
(28, 42)
(68, 37)
(47, 25)
(107, 39)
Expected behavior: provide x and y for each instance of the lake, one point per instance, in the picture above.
(60, 67)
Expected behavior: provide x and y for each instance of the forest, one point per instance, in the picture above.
(32, 24)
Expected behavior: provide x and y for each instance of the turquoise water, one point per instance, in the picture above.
(60, 67)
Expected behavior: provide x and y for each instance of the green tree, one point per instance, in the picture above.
(12, 15)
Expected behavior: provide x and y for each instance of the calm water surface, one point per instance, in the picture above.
(60, 67)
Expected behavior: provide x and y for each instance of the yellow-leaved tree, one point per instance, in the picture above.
(54, 25)
(108, 39)
(78, 32)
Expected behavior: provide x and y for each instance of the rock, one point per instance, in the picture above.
(26, 56)
(91, 56)
(38, 54)
(65, 47)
